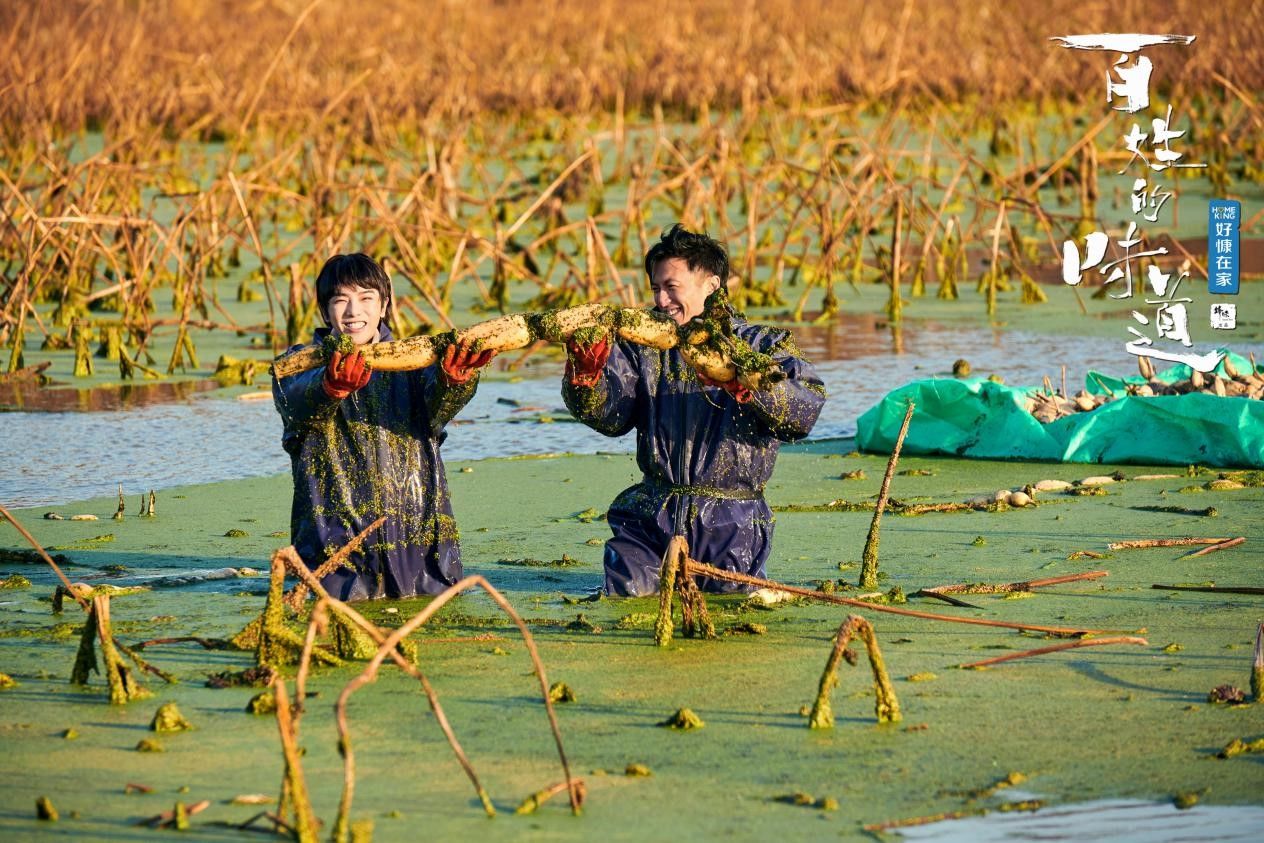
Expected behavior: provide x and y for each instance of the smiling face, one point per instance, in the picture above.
(356, 312)
(679, 291)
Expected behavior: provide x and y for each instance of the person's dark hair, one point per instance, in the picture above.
(356, 270)
(698, 251)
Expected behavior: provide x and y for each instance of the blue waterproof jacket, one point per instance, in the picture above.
(373, 453)
(705, 457)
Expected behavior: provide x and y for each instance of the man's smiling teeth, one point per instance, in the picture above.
(354, 326)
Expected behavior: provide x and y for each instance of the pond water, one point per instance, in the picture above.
(1108, 819)
(158, 436)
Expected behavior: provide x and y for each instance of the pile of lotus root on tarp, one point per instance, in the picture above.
(1175, 417)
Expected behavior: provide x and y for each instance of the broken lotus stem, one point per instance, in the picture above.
(700, 568)
(65, 581)
(713, 356)
(294, 600)
(387, 645)
(1006, 588)
(1133, 544)
(869, 564)
(695, 619)
(1257, 667)
(305, 824)
(1054, 648)
(664, 626)
(124, 687)
(886, 706)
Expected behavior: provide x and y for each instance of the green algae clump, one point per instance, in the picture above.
(169, 719)
(7, 682)
(1226, 694)
(44, 810)
(236, 534)
(340, 343)
(13, 582)
(589, 335)
(560, 692)
(1237, 746)
(262, 703)
(684, 720)
(637, 620)
(149, 745)
(635, 770)
(804, 800)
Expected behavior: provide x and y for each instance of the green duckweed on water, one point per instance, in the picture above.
(1102, 703)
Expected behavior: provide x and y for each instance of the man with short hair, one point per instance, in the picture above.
(706, 449)
(364, 444)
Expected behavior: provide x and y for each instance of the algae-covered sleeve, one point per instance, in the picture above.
(790, 407)
(609, 406)
(301, 400)
(443, 400)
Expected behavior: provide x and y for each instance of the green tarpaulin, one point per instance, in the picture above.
(986, 420)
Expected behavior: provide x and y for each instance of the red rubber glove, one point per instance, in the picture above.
(585, 363)
(344, 375)
(461, 363)
(740, 393)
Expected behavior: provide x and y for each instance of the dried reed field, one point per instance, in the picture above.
(164, 161)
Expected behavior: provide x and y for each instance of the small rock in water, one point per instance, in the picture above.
(768, 597)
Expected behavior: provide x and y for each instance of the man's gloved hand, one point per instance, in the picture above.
(740, 393)
(345, 374)
(586, 361)
(461, 363)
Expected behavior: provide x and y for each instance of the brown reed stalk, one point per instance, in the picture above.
(703, 569)
(299, 569)
(869, 559)
(886, 705)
